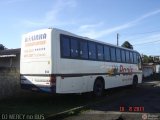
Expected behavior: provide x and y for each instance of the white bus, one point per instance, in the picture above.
(57, 61)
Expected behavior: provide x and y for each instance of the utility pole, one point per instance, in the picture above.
(117, 39)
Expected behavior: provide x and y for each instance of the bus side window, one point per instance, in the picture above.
(118, 55)
(113, 54)
(123, 56)
(83, 49)
(107, 55)
(92, 50)
(74, 48)
(135, 58)
(131, 57)
(65, 46)
(139, 62)
(100, 53)
(127, 57)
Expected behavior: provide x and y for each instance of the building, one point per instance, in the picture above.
(148, 69)
(10, 58)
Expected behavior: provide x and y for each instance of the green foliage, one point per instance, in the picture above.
(2, 47)
(126, 44)
(150, 59)
(147, 59)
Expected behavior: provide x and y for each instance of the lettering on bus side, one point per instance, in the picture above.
(124, 69)
(119, 69)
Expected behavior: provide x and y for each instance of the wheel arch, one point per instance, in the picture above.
(135, 77)
(135, 81)
(102, 79)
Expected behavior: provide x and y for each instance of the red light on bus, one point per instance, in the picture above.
(53, 80)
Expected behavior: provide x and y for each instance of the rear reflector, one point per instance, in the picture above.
(53, 80)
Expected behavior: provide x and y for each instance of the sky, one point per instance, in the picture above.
(136, 21)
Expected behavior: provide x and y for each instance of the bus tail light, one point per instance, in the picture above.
(53, 80)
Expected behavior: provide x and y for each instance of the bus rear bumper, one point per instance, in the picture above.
(37, 88)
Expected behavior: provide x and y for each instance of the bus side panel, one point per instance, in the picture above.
(71, 84)
(140, 77)
(79, 84)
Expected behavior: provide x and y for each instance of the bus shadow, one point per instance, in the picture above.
(143, 99)
(146, 97)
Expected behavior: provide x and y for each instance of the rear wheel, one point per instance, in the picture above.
(98, 88)
(135, 82)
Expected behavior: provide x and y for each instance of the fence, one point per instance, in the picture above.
(9, 82)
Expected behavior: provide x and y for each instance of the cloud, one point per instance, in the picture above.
(52, 17)
(100, 33)
(89, 29)
(96, 33)
(13, 1)
(146, 16)
(59, 7)
(89, 26)
(97, 30)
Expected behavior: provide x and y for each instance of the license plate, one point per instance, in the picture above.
(35, 89)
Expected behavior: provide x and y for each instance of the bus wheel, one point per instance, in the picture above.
(98, 88)
(135, 82)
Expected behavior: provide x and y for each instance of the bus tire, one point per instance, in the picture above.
(98, 88)
(135, 82)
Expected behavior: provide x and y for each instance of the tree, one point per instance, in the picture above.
(147, 59)
(150, 59)
(2, 47)
(126, 44)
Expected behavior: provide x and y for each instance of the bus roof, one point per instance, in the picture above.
(82, 37)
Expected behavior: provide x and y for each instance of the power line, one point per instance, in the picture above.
(147, 42)
(141, 33)
(138, 37)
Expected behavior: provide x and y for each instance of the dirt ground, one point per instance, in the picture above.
(141, 103)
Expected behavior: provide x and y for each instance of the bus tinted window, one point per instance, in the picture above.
(65, 46)
(113, 54)
(118, 55)
(139, 62)
(83, 50)
(74, 48)
(123, 56)
(131, 57)
(135, 58)
(107, 56)
(127, 56)
(92, 50)
(100, 52)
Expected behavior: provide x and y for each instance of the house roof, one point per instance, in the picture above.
(9, 52)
